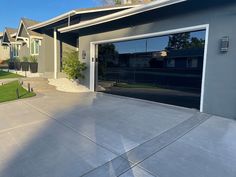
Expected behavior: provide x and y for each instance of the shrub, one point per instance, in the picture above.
(25, 59)
(33, 59)
(72, 66)
(17, 59)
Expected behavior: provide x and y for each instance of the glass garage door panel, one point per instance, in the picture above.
(158, 69)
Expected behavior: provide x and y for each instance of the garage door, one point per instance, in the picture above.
(166, 69)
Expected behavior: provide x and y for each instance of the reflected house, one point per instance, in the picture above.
(172, 68)
(185, 58)
(176, 59)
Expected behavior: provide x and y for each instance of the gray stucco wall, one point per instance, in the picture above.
(220, 82)
(46, 57)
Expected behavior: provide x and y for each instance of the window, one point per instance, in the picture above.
(34, 46)
(15, 49)
(170, 63)
(192, 63)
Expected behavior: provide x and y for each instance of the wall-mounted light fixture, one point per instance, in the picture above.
(84, 54)
(224, 44)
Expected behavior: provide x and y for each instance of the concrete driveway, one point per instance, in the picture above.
(100, 135)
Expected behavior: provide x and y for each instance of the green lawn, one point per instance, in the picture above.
(8, 75)
(8, 92)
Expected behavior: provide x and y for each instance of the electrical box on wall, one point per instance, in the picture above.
(224, 44)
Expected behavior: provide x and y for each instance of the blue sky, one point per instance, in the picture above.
(40, 10)
(153, 44)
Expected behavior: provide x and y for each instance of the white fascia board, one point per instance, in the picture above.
(36, 37)
(75, 12)
(107, 9)
(13, 35)
(52, 20)
(121, 14)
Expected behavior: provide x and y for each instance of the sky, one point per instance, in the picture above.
(39, 10)
(152, 44)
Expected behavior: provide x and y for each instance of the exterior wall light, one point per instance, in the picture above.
(224, 44)
(84, 54)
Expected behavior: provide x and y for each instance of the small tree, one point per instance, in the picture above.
(72, 65)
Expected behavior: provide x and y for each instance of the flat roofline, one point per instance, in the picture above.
(76, 12)
(122, 14)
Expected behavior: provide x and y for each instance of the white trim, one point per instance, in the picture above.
(122, 14)
(55, 53)
(13, 35)
(204, 68)
(149, 35)
(36, 37)
(92, 66)
(75, 12)
(17, 48)
(106, 9)
(52, 20)
(30, 47)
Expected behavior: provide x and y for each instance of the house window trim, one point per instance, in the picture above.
(33, 40)
(13, 50)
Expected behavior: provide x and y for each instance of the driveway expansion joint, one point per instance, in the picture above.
(132, 158)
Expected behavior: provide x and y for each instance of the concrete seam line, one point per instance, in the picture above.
(167, 144)
(71, 128)
(176, 139)
(121, 155)
(21, 126)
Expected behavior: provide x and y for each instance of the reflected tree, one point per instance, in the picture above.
(184, 41)
(179, 41)
(107, 56)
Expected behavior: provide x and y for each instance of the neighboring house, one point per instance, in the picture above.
(160, 18)
(9, 39)
(30, 41)
(4, 50)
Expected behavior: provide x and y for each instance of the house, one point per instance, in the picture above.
(4, 50)
(153, 20)
(9, 40)
(48, 58)
(30, 41)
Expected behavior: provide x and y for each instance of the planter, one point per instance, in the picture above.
(25, 66)
(17, 66)
(33, 67)
(11, 65)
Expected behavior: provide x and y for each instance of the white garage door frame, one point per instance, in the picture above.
(149, 35)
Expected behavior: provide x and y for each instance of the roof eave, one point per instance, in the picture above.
(51, 21)
(122, 14)
(77, 12)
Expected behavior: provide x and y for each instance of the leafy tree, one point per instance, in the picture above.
(107, 54)
(197, 43)
(72, 65)
(179, 41)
